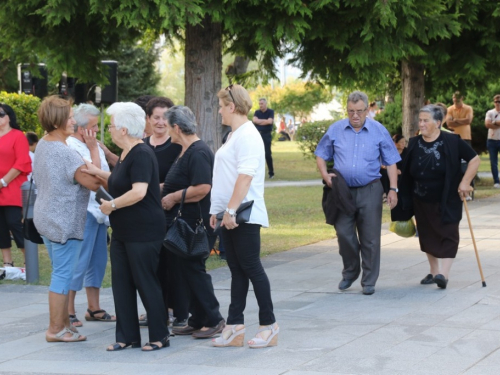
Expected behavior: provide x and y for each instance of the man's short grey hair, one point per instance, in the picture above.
(263, 99)
(356, 96)
(183, 117)
(130, 116)
(435, 111)
(83, 113)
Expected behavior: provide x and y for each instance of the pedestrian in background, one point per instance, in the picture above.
(492, 122)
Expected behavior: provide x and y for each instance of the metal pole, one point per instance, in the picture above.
(32, 271)
(102, 122)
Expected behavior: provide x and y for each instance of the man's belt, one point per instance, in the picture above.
(359, 187)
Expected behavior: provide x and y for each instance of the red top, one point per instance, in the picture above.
(14, 153)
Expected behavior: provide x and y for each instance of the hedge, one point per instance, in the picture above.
(25, 107)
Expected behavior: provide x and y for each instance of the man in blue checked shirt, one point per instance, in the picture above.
(358, 146)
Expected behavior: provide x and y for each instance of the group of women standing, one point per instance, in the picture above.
(140, 212)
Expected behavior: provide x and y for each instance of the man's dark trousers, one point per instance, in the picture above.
(360, 233)
(267, 138)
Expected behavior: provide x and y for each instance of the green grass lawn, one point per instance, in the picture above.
(295, 213)
(290, 164)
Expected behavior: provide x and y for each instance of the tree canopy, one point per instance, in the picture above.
(433, 42)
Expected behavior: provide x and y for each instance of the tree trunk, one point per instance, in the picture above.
(412, 75)
(203, 74)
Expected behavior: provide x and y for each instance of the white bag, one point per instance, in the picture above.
(14, 273)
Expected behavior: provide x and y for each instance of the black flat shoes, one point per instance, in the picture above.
(429, 279)
(441, 281)
(117, 346)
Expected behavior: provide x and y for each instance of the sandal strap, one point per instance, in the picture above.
(10, 264)
(92, 313)
(105, 315)
(74, 335)
(267, 328)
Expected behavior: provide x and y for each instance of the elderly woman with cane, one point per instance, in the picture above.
(432, 186)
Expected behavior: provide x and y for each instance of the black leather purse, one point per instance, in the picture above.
(242, 215)
(185, 242)
(29, 230)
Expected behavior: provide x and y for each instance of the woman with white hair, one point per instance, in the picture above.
(93, 258)
(138, 224)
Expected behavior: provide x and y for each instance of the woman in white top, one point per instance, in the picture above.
(239, 173)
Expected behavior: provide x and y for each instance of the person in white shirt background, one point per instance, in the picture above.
(94, 255)
(492, 122)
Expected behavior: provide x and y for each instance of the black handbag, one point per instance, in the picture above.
(242, 215)
(185, 242)
(29, 230)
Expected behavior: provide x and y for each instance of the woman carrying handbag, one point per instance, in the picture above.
(239, 174)
(189, 180)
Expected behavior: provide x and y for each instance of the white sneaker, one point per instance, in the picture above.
(496, 186)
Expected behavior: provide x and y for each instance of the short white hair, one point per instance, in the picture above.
(129, 116)
(83, 113)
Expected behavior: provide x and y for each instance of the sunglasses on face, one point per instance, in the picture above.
(3, 114)
(496, 101)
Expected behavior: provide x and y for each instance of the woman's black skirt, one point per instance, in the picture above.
(437, 239)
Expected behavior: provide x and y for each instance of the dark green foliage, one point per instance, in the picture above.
(309, 135)
(25, 108)
(392, 117)
(8, 76)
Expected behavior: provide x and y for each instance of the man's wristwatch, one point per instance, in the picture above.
(394, 189)
(231, 212)
(113, 205)
(4, 184)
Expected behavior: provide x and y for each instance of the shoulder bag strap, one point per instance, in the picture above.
(179, 213)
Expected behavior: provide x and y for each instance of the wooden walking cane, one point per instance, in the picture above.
(474, 242)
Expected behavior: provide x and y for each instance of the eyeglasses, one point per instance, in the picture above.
(359, 112)
(228, 88)
(111, 127)
(3, 114)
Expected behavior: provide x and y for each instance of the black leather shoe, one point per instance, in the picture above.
(441, 281)
(345, 284)
(210, 332)
(429, 279)
(368, 290)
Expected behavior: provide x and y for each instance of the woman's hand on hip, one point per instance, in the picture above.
(229, 221)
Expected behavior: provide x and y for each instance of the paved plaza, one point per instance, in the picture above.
(404, 328)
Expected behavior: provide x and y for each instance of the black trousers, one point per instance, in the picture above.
(11, 220)
(174, 291)
(134, 268)
(267, 138)
(242, 246)
(203, 305)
